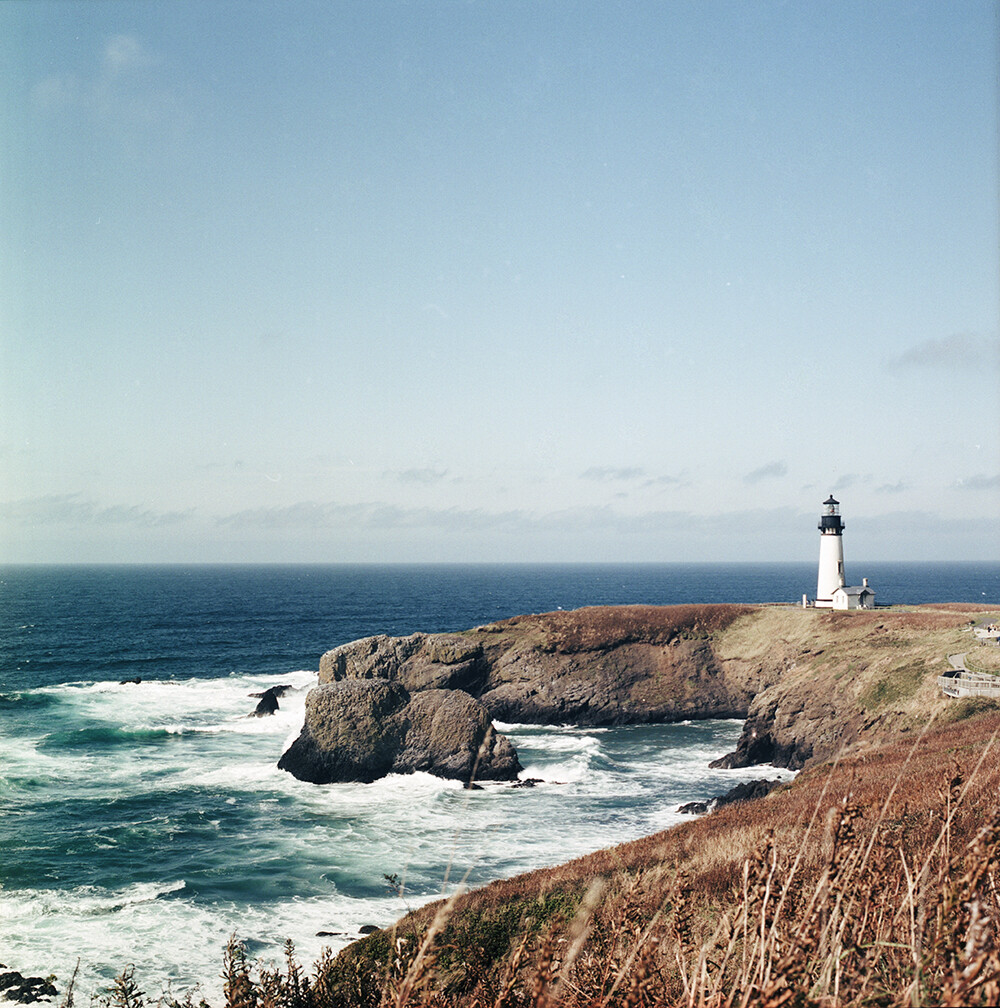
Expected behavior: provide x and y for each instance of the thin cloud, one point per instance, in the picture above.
(891, 488)
(425, 477)
(608, 474)
(436, 310)
(664, 480)
(372, 516)
(75, 509)
(123, 53)
(979, 482)
(773, 470)
(959, 352)
(117, 90)
(317, 516)
(848, 480)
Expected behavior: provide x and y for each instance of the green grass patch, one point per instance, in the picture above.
(969, 706)
(478, 942)
(900, 683)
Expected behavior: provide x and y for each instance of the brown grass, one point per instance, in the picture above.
(871, 880)
(986, 657)
(599, 627)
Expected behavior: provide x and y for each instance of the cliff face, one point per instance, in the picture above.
(842, 680)
(808, 682)
(595, 666)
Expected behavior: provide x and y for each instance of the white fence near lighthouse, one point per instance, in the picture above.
(962, 683)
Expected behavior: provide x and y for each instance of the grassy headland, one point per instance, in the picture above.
(872, 879)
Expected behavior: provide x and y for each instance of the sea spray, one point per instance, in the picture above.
(152, 822)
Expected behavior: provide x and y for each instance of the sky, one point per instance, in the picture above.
(430, 280)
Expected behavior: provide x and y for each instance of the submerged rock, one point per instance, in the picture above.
(25, 990)
(363, 729)
(269, 700)
(747, 791)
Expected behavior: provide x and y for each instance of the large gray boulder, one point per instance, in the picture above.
(363, 729)
(450, 734)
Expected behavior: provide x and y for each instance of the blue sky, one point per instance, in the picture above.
(464, 281)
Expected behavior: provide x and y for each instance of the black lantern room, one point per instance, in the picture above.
(830, 522)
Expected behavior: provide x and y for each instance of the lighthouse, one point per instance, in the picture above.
(831, 554)
(832, 591)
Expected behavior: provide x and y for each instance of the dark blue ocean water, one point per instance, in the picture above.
(146, 823)
(62, 624)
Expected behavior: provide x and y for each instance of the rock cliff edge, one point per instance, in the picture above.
(808, 682)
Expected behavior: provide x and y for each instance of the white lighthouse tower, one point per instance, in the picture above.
(831, 554)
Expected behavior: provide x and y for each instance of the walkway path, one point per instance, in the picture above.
(963, 681)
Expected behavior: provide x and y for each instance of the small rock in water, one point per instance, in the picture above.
(367, 929)
(136, 680)
(747, 791)
(269, 700)
(25, 990)
(331, 934)
(528, 782)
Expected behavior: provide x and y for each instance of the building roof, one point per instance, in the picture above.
(854, 590)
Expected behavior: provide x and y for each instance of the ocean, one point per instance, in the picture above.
(144, 823)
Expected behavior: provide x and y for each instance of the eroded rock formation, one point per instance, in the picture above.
(594, 666)
(808, 682)
(363, 729)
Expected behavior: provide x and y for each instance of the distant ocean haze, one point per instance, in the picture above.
(144, 823)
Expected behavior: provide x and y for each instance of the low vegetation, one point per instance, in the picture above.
(985, 658)
(873, 879)
(600, 627)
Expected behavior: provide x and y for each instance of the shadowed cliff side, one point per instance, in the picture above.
(360, 730)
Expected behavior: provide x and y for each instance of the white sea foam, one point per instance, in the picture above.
(173, 941)
(185, 783)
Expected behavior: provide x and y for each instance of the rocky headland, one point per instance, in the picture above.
(808, 682)
(895, 811)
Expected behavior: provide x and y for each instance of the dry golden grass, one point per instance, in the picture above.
(871, 880)
(986, 658)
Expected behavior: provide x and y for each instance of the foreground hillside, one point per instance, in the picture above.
(872, 879)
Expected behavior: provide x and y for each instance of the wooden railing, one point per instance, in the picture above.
(974, 666)
(962, 683)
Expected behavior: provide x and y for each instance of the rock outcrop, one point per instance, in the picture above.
(269, 700)
(25, 990)
(747, 791)
(363, 729)
(807, 682)
(595, 666)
